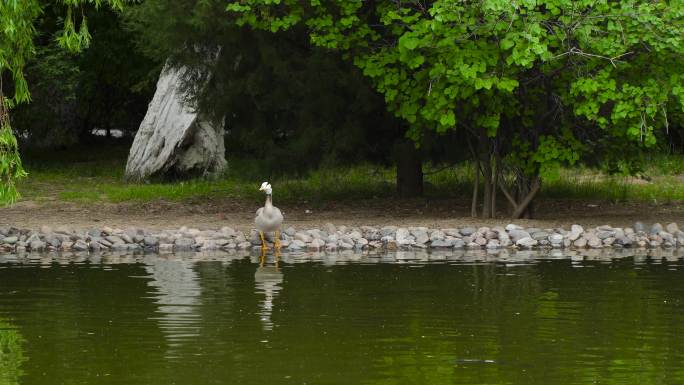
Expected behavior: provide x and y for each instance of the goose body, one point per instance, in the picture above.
(268, 218)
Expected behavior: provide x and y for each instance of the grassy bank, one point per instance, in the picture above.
(97, 175)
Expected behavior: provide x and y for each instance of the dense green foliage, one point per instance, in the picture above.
(106, 87)
(17, 33)
(543, 81)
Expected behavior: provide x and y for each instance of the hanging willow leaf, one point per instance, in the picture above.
(17, 32)
(10, 163)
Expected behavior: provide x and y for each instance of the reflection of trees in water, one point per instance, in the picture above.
(11, 354)
(178, 296)
(267, 280)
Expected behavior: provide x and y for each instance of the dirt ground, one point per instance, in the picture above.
(421, 212)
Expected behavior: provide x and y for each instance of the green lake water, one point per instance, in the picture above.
(358, 320)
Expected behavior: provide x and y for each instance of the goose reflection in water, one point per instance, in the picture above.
(267, 280)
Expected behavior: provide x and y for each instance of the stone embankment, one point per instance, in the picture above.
(333, 238)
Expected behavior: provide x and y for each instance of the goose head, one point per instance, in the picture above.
(266, 187)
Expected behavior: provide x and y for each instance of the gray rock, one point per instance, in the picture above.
(102, 242)
(355, 235)
(95, 246)
(297, 245)
(539, 235)
(151, 241)
(639, 226)
(304, 237)
(556, 239)
(467, 231)
(481, 241)
(290, 231)
(511, 227)
(679, 237)
(526, 242)
(375, 244)
(473, 245)
(580, 243)
(361, 242)
(318, 234)
(493, 244)
(119, 246)
(656, 228)
(209, 245)
(421, 237)
(127, 238)
(594, 242)
(240, 238)
(184, 243)
(619, 233)
(37, 245)
(667, 237)
(576, 229)
(114, 239)
(80, 246)
(10, 240)
(316, 244)
(329, 228)
(402, 233)
(437, 235)
(609, 241)
(404, 238)
(34, 237)
(388, 231)
(346, 245)
(372, 234)
(624, 241)
(452, 233)
(228, 231)
(517, 235)
(244, 245)
(603, 234)
(457, 243)
(439, 243)
(53, 241)
(672, 228)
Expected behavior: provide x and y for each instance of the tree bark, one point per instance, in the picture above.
(476, 185)
(409, 169)
(487, 171)
(175, 140)
(495, 179)
(527, 200)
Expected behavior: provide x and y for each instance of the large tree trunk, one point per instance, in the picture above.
(409, 169)
(174, 140)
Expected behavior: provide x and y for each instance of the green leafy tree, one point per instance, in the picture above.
(536, 82)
